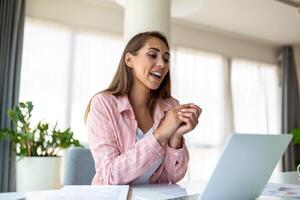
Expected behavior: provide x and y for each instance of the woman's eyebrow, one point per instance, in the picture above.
(156, 49)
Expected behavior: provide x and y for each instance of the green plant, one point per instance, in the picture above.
(296, 135)
(296, 141)
(35, 141)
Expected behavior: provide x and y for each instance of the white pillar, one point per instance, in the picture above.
(147, 15)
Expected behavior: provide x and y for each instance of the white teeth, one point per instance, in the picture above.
(157, 74)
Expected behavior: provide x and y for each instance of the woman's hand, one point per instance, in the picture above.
(189, 119)
(170, 124)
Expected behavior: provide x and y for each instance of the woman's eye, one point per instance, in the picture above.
(152, 55)
(166, 59)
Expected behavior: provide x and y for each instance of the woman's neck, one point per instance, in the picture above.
(139, 97)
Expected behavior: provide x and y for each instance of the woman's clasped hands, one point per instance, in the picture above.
(178, 121)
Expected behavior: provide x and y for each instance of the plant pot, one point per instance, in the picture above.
(38, 173)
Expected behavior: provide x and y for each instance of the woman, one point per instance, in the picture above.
(135, 127)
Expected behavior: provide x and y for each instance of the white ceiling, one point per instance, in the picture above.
(266, 21)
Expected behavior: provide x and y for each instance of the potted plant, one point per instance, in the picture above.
(296, 141)
(37, 149)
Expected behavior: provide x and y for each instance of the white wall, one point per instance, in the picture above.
(87, 14)
(225, 45)
(91, 14)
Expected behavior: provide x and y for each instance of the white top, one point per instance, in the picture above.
(144, 178)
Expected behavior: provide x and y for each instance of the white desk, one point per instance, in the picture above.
(164, 191)
(196, 187)
(286, 178)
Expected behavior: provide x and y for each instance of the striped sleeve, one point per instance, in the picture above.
(176, 163)
(176, 160)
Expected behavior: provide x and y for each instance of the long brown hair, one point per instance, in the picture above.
(122, 81)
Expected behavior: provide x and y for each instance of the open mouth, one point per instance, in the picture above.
(156, 75)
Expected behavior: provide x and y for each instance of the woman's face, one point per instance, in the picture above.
(150, 64)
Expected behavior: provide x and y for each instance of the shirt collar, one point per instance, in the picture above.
(123, 103)
(159, 111)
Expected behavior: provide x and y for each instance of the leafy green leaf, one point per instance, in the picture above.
(296, 135)
(11, 114)
(22, 105)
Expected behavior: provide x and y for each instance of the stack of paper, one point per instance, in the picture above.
(116, 192)
(282, 190)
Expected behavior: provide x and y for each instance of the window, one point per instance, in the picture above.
(198, 77)
(62, 69)
(95, 63)
(256, 97)
(44, 75)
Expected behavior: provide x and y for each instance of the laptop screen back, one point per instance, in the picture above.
(245, 166)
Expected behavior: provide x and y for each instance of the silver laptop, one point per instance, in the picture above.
(244, 167)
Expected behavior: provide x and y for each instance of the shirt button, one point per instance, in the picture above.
(176, 154)
(162, 143)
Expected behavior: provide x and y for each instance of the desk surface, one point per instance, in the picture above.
(286, 178)
(164, 191)
(158, 191)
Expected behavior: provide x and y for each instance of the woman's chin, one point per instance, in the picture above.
(153, 86)
(153, 89)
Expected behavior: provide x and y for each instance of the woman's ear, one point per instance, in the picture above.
(128, 60)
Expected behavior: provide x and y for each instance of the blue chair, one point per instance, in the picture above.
(79, 166)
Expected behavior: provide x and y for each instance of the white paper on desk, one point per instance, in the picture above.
(105, 192)
(158, 191)
(79, 192)
(282, 190)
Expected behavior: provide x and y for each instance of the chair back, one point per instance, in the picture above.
(79, 166)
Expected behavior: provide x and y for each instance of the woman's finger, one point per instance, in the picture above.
(199, 110)
(190, 124)
(190, 115)
(178, 107)
(191, 110)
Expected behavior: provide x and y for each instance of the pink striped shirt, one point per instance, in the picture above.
(119, 159)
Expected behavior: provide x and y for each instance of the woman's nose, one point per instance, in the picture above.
(161, 62)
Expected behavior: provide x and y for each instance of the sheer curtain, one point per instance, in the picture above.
(236, 96)
(44, 76)
(63, 68)
(198, 77)
(256, 97)
(96, 60)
